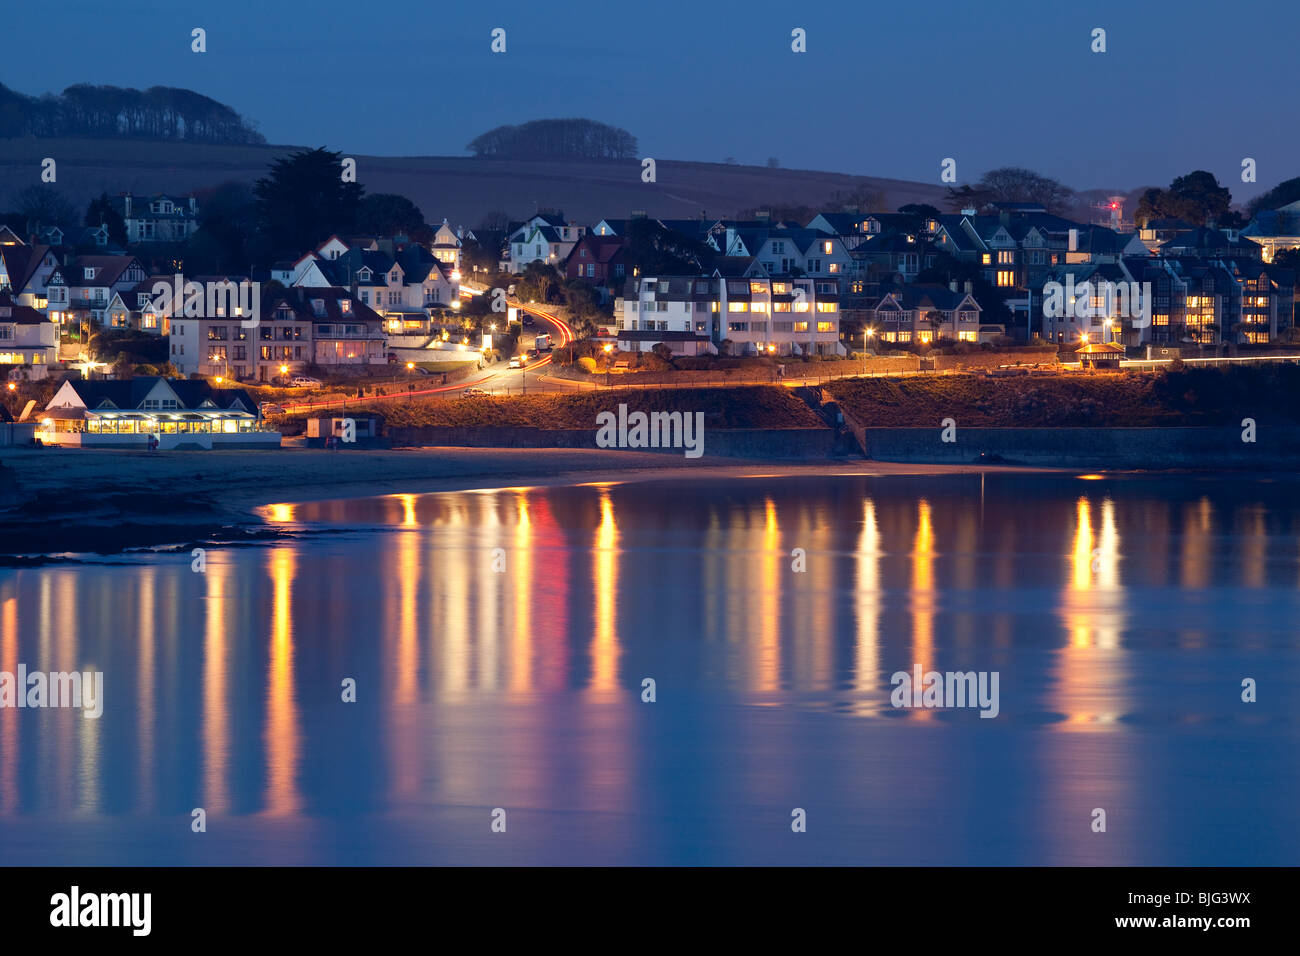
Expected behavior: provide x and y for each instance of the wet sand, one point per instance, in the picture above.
(60, 500)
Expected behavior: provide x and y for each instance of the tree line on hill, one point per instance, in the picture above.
(114, 112)
(555, 139)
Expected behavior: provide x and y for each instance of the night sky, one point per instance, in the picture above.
(886, 89)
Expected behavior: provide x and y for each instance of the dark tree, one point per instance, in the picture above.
(654, 250)
(304, 200)
(1283, 194)
(1016, 184)
(101, 211)
(387, 214)
(111, 112)
(1195, 198)
(556, 138)
(44, 205)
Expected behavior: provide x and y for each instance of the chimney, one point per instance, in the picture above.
(952, 286)
(127, 200)
(1074, 240)
(970, 288)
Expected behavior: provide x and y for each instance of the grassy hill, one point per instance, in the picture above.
(760, 406)
(461, 189)
(1192, 396)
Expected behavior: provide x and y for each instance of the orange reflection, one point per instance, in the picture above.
(866, 650)
(922, 593)
(216, 719)
(521, 653)
(9, 715)
(145, 685)
(1089, 671)
(769, 645)
(604, 644)
(282, 713)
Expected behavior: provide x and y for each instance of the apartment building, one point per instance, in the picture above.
(742, 312)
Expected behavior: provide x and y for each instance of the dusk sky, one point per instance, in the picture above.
(885, 89)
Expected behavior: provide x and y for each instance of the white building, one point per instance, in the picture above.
(752, 313)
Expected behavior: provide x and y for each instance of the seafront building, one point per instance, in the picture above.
(136, 412)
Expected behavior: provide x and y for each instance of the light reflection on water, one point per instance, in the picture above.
(1121, 615)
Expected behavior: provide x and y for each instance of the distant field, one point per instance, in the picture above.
(461, 189)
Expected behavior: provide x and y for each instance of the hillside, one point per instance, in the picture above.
(761, 406)
(1192, 396)
(461, 189)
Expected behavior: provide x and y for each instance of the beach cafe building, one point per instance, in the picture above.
(179, 413)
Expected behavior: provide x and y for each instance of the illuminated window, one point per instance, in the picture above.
(737, 306)
(801, 326)
(826, 247)
(967, 336)
(825, 326)
(1006, 277)
(828, 306)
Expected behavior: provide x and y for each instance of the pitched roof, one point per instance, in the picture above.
(131, 393)
(20, 314)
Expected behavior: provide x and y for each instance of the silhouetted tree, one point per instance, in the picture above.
(304, 200)
(563, 138)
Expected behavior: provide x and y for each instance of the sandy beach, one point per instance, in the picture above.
(82, 500)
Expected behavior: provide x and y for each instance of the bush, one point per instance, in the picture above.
(588, 364)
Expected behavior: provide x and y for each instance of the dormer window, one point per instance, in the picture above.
(88, 272)
(345, 306)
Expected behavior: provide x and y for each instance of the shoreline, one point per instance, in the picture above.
(81, 502)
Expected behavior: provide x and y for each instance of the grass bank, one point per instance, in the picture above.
(1177, 397)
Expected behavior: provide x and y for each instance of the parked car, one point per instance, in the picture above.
(270, 408)
(527, 319)
(304, 381)
(517, 361)
(475, 392)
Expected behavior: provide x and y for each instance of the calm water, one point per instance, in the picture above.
(1121, 614)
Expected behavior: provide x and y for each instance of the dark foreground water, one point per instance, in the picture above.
(1121, 615)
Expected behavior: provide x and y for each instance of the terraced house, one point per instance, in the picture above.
(80, 291)
(27, 339)
(297, 327)
(739, 310)
(926, 313)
